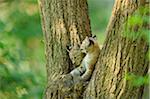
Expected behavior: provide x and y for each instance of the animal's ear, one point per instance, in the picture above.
(69, 47)
(91, 42)
(94, 36)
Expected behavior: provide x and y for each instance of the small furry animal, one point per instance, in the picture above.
(91, 48)
(75, 54)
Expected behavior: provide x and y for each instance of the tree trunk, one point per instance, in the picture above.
(121, 57)
(64, 22)
(67, 22)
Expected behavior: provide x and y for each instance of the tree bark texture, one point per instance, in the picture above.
(67, 22)
(119, 57)
(64, 22)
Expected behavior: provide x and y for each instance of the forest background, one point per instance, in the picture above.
(22, 57)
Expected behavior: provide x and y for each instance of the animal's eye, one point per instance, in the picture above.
(81, 49)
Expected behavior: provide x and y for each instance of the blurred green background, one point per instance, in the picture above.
(22, 61)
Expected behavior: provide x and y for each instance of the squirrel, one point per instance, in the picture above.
(75, 54)
(91, 48)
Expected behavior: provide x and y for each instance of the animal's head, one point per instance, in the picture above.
(87, 44)
(75, 54)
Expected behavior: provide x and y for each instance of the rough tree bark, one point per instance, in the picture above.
(120, 56)
(67, 22)
(64, 22)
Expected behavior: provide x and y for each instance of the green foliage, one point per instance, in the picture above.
(22, 64)
(136, 80)
(17, 72)
(135, 20)
(136, 26)
(1, 45)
